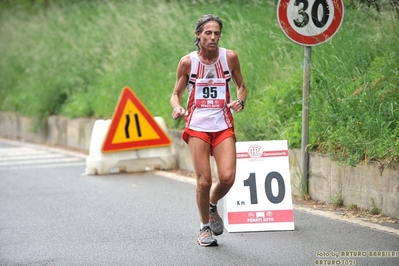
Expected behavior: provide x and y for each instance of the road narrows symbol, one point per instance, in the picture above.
(136, 117)
(122, 133)
(127, 126)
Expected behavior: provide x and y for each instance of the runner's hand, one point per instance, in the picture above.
(235, 105)
(178, 112)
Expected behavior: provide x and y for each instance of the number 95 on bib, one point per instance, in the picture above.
(260, 199)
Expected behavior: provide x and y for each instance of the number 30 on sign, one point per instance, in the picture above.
(310, 22)
(260, 199)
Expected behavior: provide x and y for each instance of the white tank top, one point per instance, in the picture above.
(208, 95)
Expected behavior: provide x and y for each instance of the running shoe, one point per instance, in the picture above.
(205, 238)
(216, 223)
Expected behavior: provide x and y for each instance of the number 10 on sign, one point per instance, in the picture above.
(260, 199)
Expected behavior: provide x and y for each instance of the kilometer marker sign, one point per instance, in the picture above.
(260, 199)
(310, 22)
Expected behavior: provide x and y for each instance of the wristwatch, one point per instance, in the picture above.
(242, 103)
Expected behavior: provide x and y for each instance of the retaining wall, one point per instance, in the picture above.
(357, 185)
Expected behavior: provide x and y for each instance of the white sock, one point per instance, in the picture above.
(203, 225)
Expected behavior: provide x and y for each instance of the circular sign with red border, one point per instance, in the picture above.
(310, 22)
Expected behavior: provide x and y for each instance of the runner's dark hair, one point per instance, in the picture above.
(199, 27)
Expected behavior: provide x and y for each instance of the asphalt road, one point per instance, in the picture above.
(52, 214)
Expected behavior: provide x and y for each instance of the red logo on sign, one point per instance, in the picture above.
(254, 151)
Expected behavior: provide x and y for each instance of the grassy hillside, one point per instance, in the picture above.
(75, 60)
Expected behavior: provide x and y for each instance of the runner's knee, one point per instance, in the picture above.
(227, 179)
(204, 183)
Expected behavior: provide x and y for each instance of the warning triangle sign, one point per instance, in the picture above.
(133, 127)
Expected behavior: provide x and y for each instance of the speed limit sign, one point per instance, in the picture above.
(260, 199)
(310, 22)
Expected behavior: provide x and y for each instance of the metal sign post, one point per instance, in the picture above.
(305, 114)
(309, 23)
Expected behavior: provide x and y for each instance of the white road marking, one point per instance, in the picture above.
(14, 158)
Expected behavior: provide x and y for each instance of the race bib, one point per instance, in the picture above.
(210, 93)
